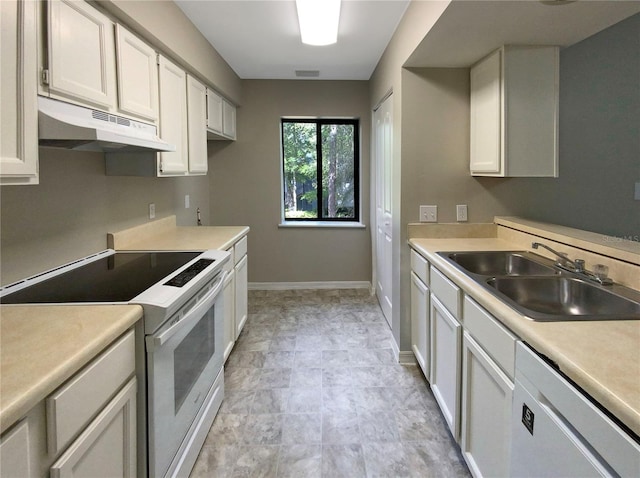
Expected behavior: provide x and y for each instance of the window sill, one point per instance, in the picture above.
(322, 224)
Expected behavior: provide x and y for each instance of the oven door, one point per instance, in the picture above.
(184, 358)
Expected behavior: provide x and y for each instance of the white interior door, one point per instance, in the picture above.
(383, 124)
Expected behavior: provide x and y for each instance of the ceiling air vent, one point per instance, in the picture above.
(307, 73)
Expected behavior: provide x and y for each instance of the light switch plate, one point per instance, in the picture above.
(152, 211)
(428, 213)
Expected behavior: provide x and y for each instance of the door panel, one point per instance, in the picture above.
(383, 124)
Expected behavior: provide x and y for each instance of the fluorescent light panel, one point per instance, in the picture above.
(318, 21)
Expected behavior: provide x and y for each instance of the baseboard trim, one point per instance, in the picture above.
(406, 357)
(309, 285)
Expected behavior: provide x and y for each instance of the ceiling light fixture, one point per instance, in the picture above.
(318, 21)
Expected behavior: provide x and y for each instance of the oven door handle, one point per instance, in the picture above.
(203, 305)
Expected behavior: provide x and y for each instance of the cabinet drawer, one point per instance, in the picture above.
(446, 291)
(420, 266)
(72, 406)
(240, 249)
(494, 338)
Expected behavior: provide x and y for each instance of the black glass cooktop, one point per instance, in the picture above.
(116, 278)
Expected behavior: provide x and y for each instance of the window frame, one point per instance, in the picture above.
(323, 221)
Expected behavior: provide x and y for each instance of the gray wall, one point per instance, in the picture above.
(68, 215)
(599, 139)
(246, 190)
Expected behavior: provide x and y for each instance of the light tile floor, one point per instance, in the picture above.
(312, 389)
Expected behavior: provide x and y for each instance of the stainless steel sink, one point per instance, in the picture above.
(533, 286)
(566, 298)
(502, 263)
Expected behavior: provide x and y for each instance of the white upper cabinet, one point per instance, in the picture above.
(197, 120)
(514, 113)
(214, 112)
(228, 120)
(221, 117)
(137, 76)
(18, 88)
(81, 54)
(173, 118)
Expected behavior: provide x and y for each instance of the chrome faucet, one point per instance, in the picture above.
(576, 266)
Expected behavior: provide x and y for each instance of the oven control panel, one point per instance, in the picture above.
(189, 273)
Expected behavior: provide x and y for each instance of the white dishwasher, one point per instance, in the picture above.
(558, 432)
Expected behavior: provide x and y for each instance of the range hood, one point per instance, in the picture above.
(68, 126)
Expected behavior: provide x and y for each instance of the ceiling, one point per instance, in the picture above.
(468, 30)
(260, 39)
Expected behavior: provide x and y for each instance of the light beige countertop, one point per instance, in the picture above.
(602, 357)
(42, 346)
(163, 234)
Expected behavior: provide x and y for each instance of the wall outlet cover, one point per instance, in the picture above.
(461, 213)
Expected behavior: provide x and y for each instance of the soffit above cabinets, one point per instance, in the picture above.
(468, 30)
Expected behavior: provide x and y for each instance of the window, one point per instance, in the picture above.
(320, 160)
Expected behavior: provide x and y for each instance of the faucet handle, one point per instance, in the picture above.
(579, 265)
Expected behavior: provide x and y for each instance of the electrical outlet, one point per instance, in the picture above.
(636, 194)
(461, 212)
(428, 213)
(152, 211)
(187, 202)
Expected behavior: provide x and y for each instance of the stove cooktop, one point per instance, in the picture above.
(116, 278)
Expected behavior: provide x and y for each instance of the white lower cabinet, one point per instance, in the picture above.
(242, 302)
(235, 294)
(486, 412)
(446, 341)
(85, 428)
(15, 456)
(420, 324)
(107, 447)
(229, 293)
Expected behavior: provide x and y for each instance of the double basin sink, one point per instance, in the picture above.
(541, 291)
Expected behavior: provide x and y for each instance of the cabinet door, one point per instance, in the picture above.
(446, 337)
(241, 294)
(229, 313)
(18, 88)
(137, 76)
(228, 120)
(486, 412)
(197, 125)
(173, 118)
(214, 111)
(420, 323)
(14, 452)
(485, 153)
(107, 448)
(81, 53)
